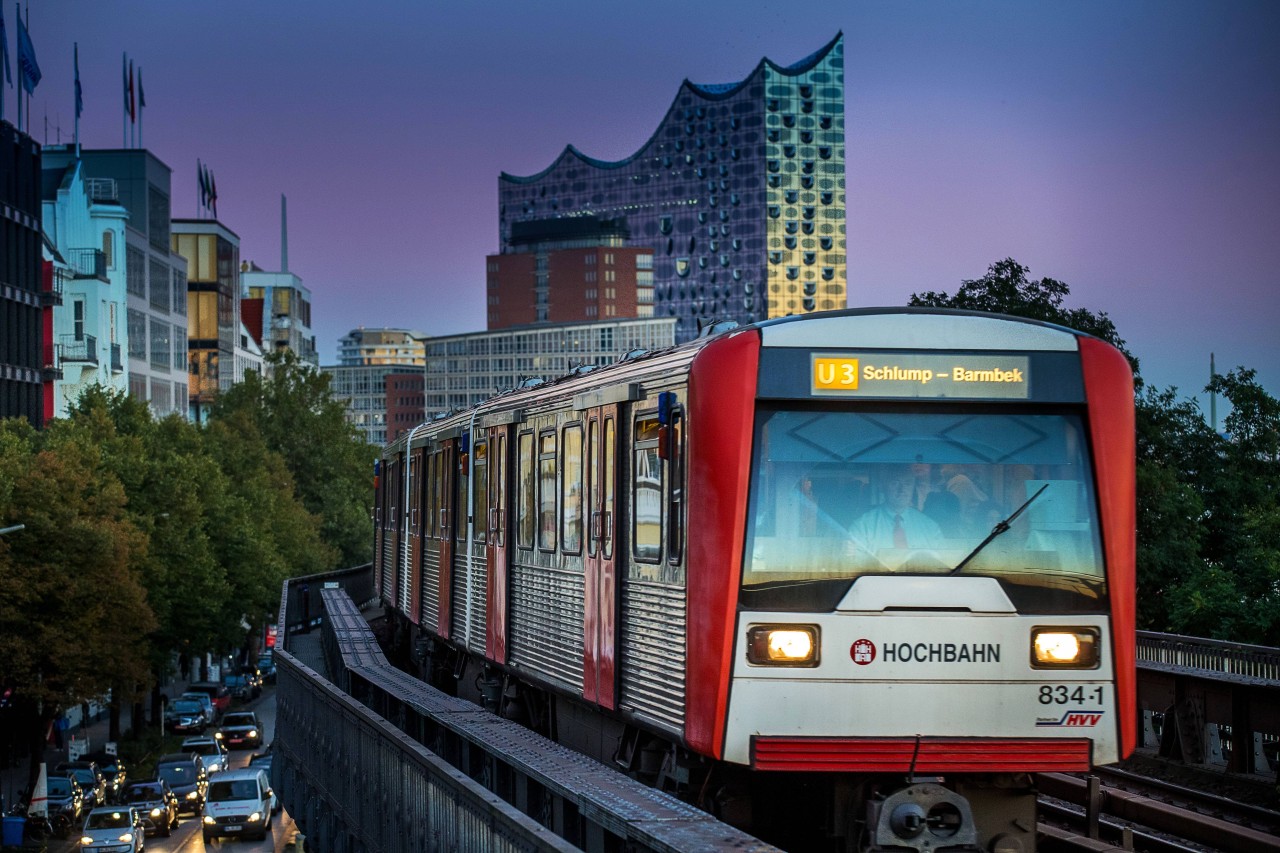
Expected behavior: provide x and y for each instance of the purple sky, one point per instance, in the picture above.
(1130, 149)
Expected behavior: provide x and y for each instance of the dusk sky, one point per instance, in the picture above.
(1129, 149)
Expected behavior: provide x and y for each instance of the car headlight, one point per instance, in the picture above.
(208, 820)
(255, 817)
(193, 795)
(1064, 648)
(85, 839)
(253, 732)
(155, 812)
(218, 735)
(783, 645)
(127, 838)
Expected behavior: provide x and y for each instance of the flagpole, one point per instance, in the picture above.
(77, 104)
(21, 73)
(124, 89)
(142, 102)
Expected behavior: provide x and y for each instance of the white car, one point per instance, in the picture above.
(113, 829)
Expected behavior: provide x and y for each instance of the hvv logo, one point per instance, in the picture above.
(1072, 719)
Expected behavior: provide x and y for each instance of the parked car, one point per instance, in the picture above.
(66, 797)
(186, 715)
(113, 770)
(217, 693)
(113, 828)
(185, 773)
(92, 783)
(239, 803)
(156, 803)
(240, 729)
(210, 750)
(211, 712)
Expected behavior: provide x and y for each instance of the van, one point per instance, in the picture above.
(238, 803)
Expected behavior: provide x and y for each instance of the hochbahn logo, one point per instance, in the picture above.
(1071, 719)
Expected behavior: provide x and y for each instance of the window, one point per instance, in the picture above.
(646, 496)
(160, 344)
(108, 249)
(77, 312)
(675, 527)
(547, 491)
(137, 331)
(571, 489)
(524, 499)
(480, 491)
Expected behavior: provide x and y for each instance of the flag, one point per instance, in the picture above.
(4, 49)
(28, 69)
(124, 79)
(213, 193)
(201, 184)
(133, 114)
(79, 92)
(142, 96)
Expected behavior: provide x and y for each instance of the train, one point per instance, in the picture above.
(847, 580)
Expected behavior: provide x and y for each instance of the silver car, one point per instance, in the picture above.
(113, 829)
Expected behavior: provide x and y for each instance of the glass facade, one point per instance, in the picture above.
(740, 193)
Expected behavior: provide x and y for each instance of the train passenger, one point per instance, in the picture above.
(896, 523)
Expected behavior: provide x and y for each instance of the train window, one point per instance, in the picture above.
(646, 491)
(571, 490)
(838, 494)
(675, 515)
(525, 512)
(498, 506)
(594, 530)
(610, 460)
(460, 495)
(547, 491)
(480, 492)
(430, 522)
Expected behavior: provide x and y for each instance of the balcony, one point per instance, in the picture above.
(102, 190)
(53, 296)
(83, 350)
(53, 370)
(117, 365)
(88, 263)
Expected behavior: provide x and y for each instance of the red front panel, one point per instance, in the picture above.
(722, 388)
(1108, 384)
(921, 755)
(600, 625)
(496, 544)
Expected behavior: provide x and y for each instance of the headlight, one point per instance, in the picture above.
(209, 821)
(1064, 648)
(193, 795)
(783, 645)
(255, 817)
(155, 812)
(253, 733)
(218, 735)
(86, 839)
(127, 838)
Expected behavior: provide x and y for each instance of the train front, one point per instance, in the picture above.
(936, 593)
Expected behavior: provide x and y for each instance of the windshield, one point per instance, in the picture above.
(837, 495)
(107, 820)
(237, 789)
(182, 706)
(201, 748)
(59, 787)
(238, 720)
(177, 774)
(142, 793)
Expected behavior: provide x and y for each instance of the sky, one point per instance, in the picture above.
(1129, 149)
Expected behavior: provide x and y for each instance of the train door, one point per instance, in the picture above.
(496, 544)
(600, 584)
(446, 517)
(417, 479)
(392, 524)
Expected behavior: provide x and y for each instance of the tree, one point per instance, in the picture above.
(332, 466)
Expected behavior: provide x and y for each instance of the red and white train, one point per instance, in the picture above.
(847, 579)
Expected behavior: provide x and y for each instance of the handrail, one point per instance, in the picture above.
(1219, 656)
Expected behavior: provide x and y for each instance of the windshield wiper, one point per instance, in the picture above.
(1001, 527)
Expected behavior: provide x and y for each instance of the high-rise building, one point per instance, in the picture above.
(381, 346)
(739, 193)
(285, 322)
(25, 344)
(155, 275)
(213, 307)
(368, 359)
(568, 270)
(84, 225)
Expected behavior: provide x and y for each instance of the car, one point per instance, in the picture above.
(156, 803)
(210, 750)
(243, 687)
(267, 666)
(92, 782)
(239, 803)
(186, 715)
(113, 828)
(240, 729)
(185, 773)
(211, 711)
(218, 694)
(66, 797)
(114, 772)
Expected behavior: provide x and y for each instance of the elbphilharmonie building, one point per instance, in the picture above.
(740, 192)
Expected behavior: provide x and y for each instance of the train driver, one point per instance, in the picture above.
(895, 523)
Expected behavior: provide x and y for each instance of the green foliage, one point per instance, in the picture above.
(1208, 505)
(296, 415)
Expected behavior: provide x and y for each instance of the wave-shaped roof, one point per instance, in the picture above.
(706, 91)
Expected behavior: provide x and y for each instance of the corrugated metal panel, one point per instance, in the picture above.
(546, 622)
(388, 564)
(653, 651)
(470, 579)
(430, 589)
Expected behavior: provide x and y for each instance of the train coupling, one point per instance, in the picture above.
(924, 817)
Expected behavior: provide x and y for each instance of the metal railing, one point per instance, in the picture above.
(101, 189)
(88, 263)
(84, 348)
(1261, 663)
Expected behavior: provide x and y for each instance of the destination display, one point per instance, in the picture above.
(920, 375)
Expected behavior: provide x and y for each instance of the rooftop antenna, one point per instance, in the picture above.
(284, 233)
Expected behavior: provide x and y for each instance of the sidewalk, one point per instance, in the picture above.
(93, 734)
